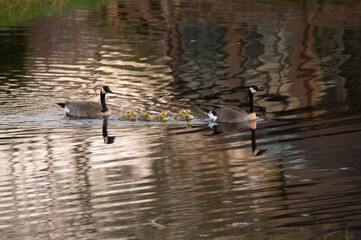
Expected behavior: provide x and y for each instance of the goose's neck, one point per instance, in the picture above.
(251, 102)
(102, 100)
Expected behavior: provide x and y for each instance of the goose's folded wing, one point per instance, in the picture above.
(83, 108)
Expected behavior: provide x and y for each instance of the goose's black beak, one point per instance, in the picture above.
(260, 89)
(115, 93)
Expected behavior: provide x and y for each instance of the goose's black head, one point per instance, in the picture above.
(106, 89)
(254, 89)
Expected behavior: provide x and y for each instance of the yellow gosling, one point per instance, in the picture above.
(184, 115)
(190, 117)
(131, 116)
(163, 117)
(181, 115)
(145, 116)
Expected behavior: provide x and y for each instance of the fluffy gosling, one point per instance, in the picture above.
(180, 115)
(131, 116)
(163, 117)
(145, 116)
(190, 117)
(184, 115)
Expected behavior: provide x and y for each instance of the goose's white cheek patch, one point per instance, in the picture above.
(66, 109)
(252, 90)
(212, 116)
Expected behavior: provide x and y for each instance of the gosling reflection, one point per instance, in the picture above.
(107, 139)
(226, 128)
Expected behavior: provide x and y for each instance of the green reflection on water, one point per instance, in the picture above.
(14, 12)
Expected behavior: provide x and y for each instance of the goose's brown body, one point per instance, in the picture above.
(232, 114)
(87, 109)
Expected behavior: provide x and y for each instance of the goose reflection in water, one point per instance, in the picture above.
(255, 150)
(107, 139)
(225, 128)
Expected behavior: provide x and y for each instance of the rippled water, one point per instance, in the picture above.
(296, 176)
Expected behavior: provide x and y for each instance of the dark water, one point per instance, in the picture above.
(60, 180)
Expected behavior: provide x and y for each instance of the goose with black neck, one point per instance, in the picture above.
(87, 109)
(232, 114)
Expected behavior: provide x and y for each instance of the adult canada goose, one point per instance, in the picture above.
(231, 114)
(87, 109)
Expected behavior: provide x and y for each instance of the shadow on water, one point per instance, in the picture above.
(224, 128)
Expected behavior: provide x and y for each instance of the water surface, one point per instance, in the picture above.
(297, 175)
